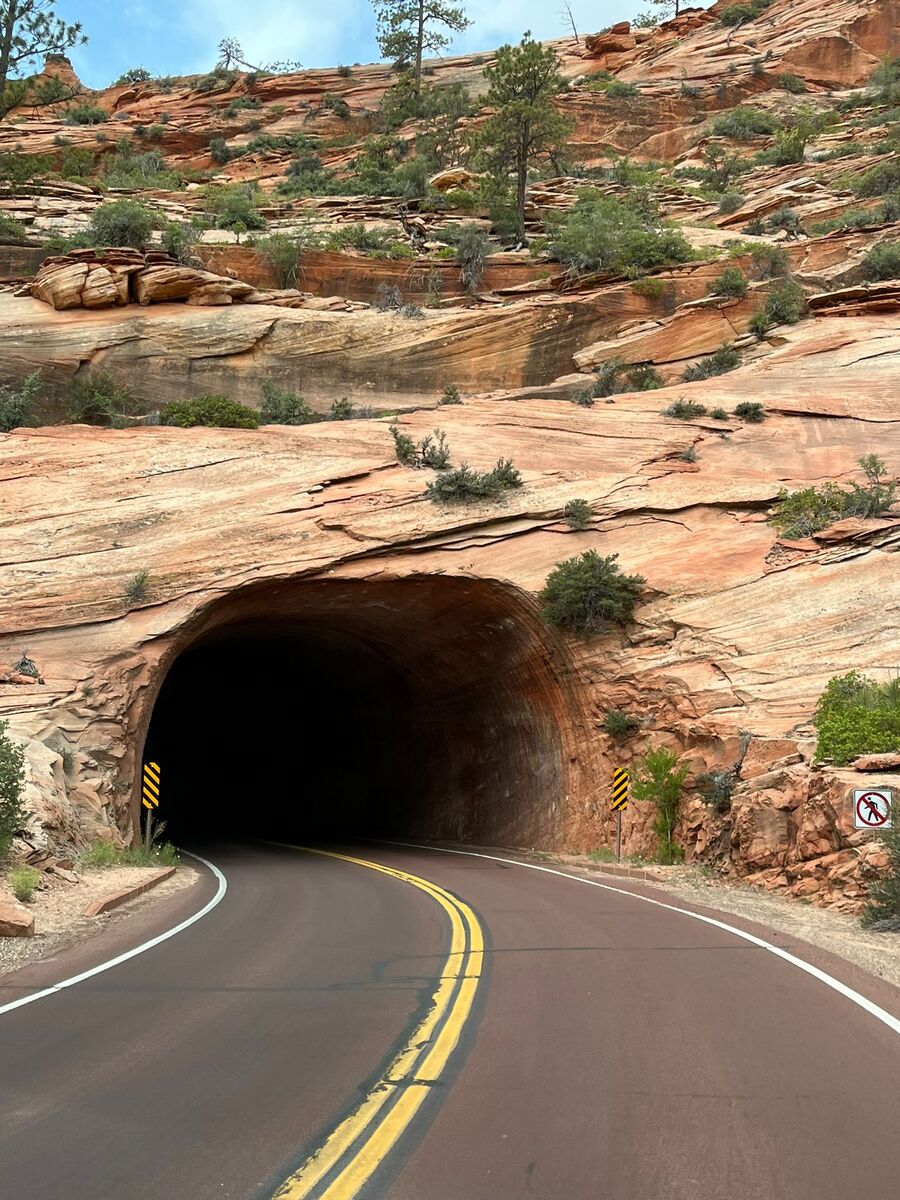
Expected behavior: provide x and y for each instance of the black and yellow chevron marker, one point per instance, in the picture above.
(151, 785)
(620, 789)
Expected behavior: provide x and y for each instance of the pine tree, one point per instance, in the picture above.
(407, 28)
(29, 30)
(525, 128)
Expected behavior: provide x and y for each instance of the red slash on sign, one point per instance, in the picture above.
(873, 809)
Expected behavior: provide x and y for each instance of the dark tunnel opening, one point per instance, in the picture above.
(431, 707)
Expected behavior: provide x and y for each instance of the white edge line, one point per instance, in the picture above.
(869, 1006)
(114, 962)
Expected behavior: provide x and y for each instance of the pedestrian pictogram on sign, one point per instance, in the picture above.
(620, 789)
(872, 808)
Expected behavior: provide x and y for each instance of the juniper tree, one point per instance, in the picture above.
(407, 28)
(29, 30)
(525, 128)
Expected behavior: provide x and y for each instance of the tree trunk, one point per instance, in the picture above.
(420, 38)
(12, 16)
(521, 180)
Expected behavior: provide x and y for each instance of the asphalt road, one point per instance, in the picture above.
(615, 1050)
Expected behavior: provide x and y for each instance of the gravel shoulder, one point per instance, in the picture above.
(59, 905)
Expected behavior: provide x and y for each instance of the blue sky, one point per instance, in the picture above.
(176, 37)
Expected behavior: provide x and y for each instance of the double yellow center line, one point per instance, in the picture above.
(355, 1149)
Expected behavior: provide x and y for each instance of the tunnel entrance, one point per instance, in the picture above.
(427, 707)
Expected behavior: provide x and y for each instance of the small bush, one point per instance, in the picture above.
(433, 451)
(179, 239)
(731, 283)
(730, 202)
(685, 410)
(791, 83)
(880, 180)
(104, 854)
(99, 399)
(284, 253)
(803, 513)
(341, 410)
(857, 715)
(134, 75)
(577, 514)
(768, 262)
(466, 485)
(137, 588)
(743, 123)
(619, 89)
(720, 362)
(786, 219)
(719, 414)
(588, 593)
(717, 787)
(619, 724)
(344, 71)
(472, 246)
(750, 411)
(12, 232)
(219, 151)
(220, 412)
(12, 784)
(660, 779)
(882, 262)
(23, 881)
(85, 114)
(601, 233)
(122, 223)
(17, 405)
(233, 206)
(785, 305)
(450, 395)
(882, 911)
(284, 408)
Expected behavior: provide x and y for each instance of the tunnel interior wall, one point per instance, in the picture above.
(431, 706)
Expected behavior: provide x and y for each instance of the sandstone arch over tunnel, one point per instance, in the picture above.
(424, 706)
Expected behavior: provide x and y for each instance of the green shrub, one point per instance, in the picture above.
(234, 205)
(17, 405)
(880, 180)
(731, 283)
(619, 724)
(450, 395)
(284, 408)
(219, 151)
(743, 124)
(337, 104)
(284, 253)
(717, 787)
(791, 83)
(344, 71)
(137, 589)
(433, 451)
(730, 202)
(179, 239)
(615, 376)
(857, 715)
(619, 89)
(785, 305)
(23, 881)
(750, 411)
(577, 514)
(472, 246)
(21, 168)
(85, 114)
(100, 398)
(768, 262)
(660, 779)
(882, 262)
(104, 854)
(601, 233)
(719, 414)
(12, 232)
(122, 223)
(882, 911)
(685, 410)
(587, 594)
(786, 219)
(803, 513)
(725, 359)
(466, 485)
(134, 75)
(12, 785)
(220, 412)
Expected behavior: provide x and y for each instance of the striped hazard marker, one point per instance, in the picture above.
(620, 789)
(151, 785)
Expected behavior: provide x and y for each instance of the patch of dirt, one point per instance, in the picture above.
(59, 905)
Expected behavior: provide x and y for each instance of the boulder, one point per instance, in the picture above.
(15, 919)
(889, 761)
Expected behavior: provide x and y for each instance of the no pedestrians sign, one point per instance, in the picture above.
(872, 808)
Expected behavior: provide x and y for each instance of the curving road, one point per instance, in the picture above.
(603, 1048)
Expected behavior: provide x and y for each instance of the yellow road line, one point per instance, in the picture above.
(424, 1057)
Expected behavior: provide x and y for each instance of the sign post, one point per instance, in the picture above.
(150, 800)
(873, 808)
(619, 803)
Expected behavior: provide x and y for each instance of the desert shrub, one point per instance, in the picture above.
(879, 180)
(85, 114)
(179, 239)
(619, 89)
(343, 410)
(388, 297)
(17, 404)
(768, 262)
(12, 232)
(614, 377)
(122, 223)
(336, 104)
(805, 512)
(433, 451)
(100, 398)
(791, 83)
(472, 246)
(785, 305)
(12, 784)
(857, 715)
(219, 151)
(717, 787)
(685, 410)
(240, 104)
(125, 169)
(233, 206)
(104, 854)
(344, 71)
(284, 253)
(750, 411)
(134, 75)
(23, 881)
(450, 395)
(279, 407)
(376, 242)
(882, 262)
(588, 593)
(465, 484)
(730, 202)
(882, 910)
(725, 359)
(619, 724)
(688, 454)
(577, 514)
(756, 227)
(731, 283)
(784, 218)
(660, 779)
(743, 123)
(220, 412)
(719, 414)
(601, 233)
(137, 588)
